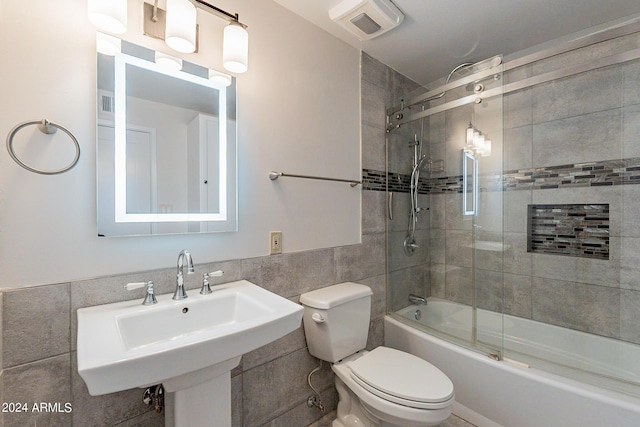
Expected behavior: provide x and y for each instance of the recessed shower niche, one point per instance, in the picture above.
(573, 230)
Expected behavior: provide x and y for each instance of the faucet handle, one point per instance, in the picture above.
(149, 298)
(206, 289)
(135, 285)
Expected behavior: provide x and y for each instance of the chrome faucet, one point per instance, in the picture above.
(184, 255)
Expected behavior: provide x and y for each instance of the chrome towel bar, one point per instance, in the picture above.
(49, 128)
(275, 175)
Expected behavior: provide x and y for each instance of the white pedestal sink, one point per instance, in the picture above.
(194, 400)
(189, 346)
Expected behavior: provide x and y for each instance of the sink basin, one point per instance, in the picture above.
(223, 311)
(126, 345)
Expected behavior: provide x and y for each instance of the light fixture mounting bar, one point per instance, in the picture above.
(219, 12)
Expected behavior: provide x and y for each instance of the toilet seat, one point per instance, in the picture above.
(402, 378)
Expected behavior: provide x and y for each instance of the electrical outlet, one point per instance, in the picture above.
(275, 240)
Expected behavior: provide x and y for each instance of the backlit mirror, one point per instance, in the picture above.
(469, 183)
(166, 145)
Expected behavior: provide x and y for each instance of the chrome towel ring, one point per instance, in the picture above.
(49, 128)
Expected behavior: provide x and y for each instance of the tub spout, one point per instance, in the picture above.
(418, 300)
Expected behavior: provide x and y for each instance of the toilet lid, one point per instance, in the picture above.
(401, 375)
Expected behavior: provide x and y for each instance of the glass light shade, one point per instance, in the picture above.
(168, 62)
(235, 48)
(487, 148)
(470, 131)
(180, 32)
(107, 45)
(480, 144)
(108, 15)
(220, 78)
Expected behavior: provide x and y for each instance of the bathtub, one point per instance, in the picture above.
(510, 393)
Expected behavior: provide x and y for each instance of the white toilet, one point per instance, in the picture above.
(379, 388)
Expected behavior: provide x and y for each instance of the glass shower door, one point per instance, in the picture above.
(455, 253)
(534, 257)
(484, 137)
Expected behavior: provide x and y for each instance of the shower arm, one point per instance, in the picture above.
(463, 65)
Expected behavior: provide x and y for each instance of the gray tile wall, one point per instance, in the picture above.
(269, 388)
(585, 118)
(591, 117)
(407, 274)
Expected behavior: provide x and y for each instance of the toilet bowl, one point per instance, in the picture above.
(393, 388)
(383, 387)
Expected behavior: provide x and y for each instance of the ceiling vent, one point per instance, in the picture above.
(367, 18)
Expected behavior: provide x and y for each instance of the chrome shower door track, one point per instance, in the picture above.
(401, 114)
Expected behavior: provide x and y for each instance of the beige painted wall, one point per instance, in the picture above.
(298, 112)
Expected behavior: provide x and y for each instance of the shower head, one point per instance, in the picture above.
(473, 67)
(476, 86)
(487, 63)
(440, 95)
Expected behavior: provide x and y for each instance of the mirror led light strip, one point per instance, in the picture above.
(120, 92)
(466, 174)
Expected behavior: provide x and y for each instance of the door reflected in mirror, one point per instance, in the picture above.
(166, 147)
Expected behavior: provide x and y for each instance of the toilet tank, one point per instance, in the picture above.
(336, 320)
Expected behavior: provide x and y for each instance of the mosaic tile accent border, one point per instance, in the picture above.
(374, 180)
(400, 183)
(608, 172)
(595, 174)
(573, 230)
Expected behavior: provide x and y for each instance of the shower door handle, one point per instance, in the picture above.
(390, 207)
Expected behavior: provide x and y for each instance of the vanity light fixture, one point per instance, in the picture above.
(470, 132)
(477, 142)
(177, 27)
(108, 15)
(486, 150)
(180, 29)
(235, 48)
(107, 45)
(221, 78)
(168, 62)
